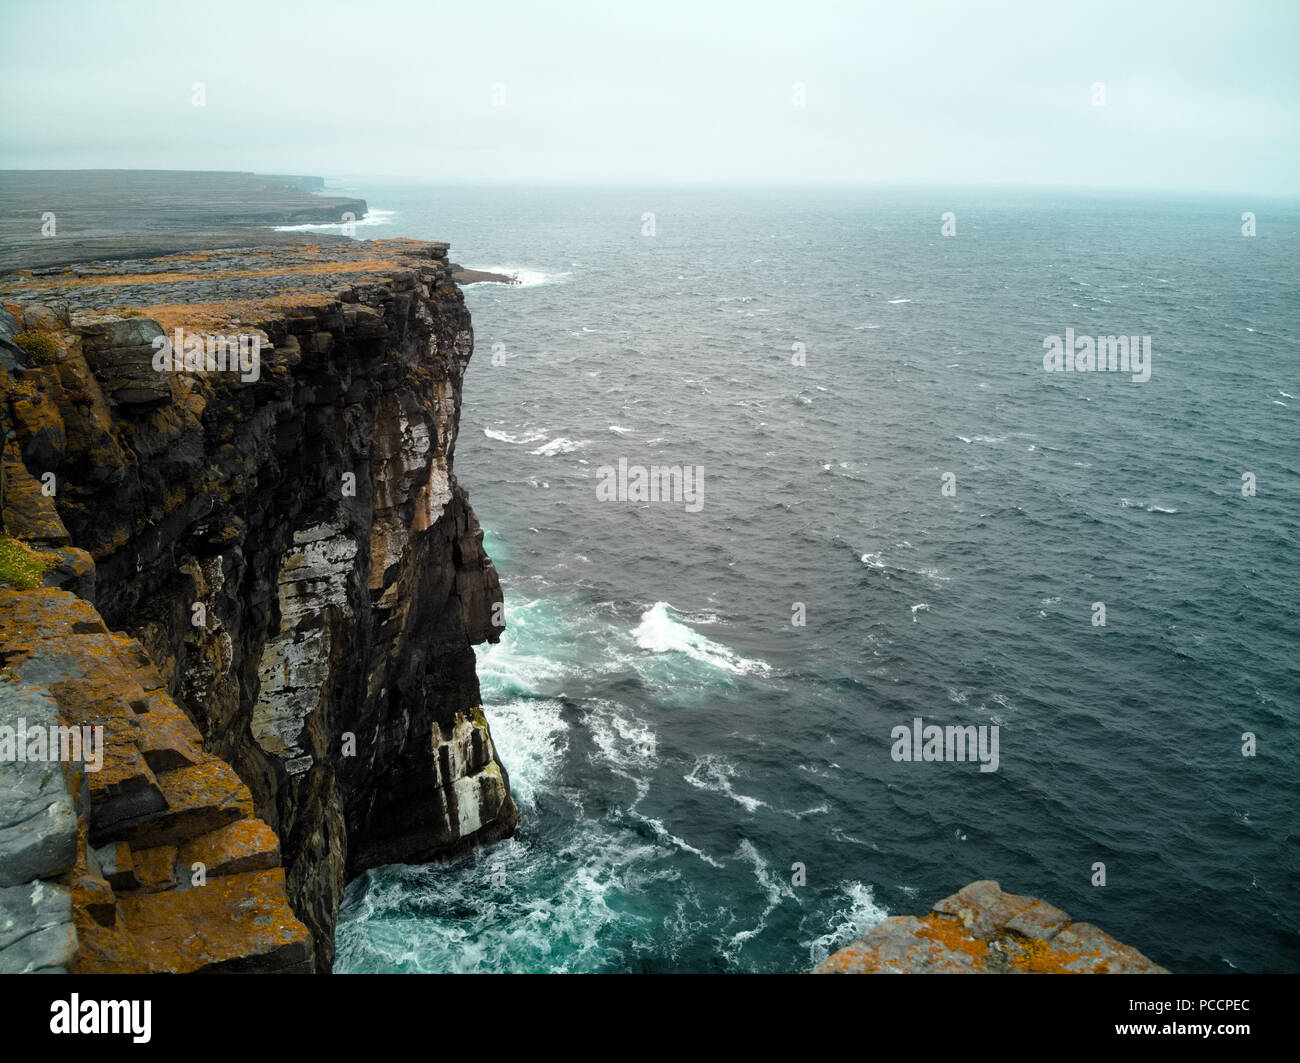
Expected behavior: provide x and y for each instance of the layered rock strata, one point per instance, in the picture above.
(981, 930)
(287, 543)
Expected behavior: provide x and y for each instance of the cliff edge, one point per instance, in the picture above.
(244, 460)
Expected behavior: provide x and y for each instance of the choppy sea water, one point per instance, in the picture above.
(676, 744)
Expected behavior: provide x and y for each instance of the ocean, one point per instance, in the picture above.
(889, 510)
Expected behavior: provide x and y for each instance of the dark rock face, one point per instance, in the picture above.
(293, 551)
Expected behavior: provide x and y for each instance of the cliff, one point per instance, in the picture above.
(981, 930)
(284, 541)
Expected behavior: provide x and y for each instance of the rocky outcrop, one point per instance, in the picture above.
(981, 930)
(480, 276)
(286, 541)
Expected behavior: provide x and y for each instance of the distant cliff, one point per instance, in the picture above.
(981, 930)
(288, 545)
(52, 218)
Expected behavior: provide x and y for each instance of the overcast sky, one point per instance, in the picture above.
(1198, 96)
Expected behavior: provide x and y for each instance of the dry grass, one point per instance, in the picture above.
(223, 315)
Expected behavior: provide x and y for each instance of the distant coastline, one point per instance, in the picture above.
(54, 218)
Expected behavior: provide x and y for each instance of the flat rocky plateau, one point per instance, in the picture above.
(128, 214)
(139, 213)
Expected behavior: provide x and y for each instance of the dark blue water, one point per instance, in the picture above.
(676, 744)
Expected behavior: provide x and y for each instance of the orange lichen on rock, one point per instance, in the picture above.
(953, 937)
(172, 870)
(230, 313)
(981, 930)
(850, 960)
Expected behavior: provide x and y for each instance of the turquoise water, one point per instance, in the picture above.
(676, 745)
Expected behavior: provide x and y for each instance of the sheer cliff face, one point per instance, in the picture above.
(294, 551)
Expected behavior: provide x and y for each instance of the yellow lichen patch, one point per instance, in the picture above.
(1033, 956)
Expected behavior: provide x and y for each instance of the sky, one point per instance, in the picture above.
(1178, 96)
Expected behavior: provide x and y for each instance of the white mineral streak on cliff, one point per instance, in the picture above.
(466, 764)
(294, 668)
(408, 453)
(436, 493)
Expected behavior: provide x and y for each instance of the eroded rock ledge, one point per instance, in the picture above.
(981, 930)
(292, 551)
(152, 860)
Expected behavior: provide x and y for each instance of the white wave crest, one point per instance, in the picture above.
(713, 774)
(775, 888)
(559, 445)
(530, 738)
(857, 913)
(506, 437)
(660, 632)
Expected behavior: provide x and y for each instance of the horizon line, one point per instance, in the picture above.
(788, 184)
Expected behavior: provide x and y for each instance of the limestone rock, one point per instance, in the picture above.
(75, 572)
(235, 923)
(38, 818)
(29, 513)
(120, 353)
(87, 843)
(246, 845)
(982, 930)
(36, 929)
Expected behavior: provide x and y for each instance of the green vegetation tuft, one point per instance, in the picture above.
(21, 567)
(43, 348)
